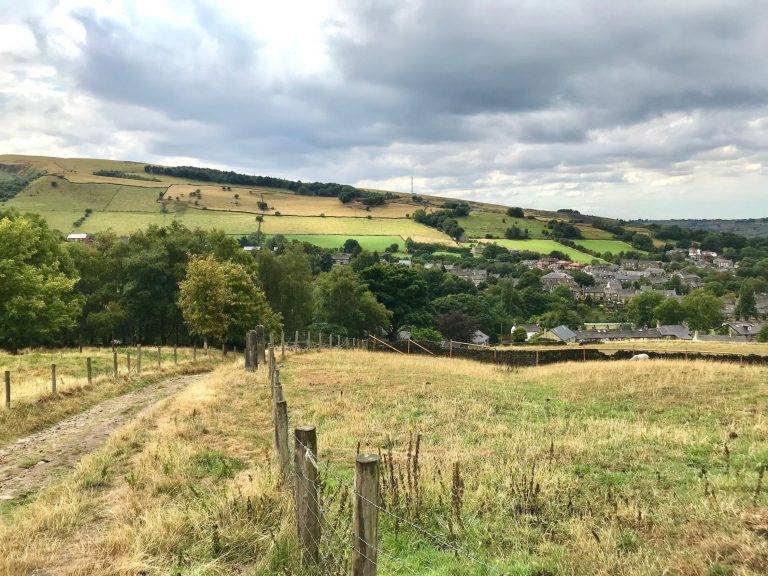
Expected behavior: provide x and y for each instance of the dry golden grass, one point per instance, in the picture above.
(286, 203)
(588, 468)
(31, 370)
(701, 347)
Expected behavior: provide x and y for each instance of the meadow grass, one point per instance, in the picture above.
(283, 201)
(594, 468)
(544, 247)
(611, 246)
(331, 241)
(33, 406)
(694, 346)
(478, 224)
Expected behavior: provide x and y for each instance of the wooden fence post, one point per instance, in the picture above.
(7, 388)
(307, 509)
(282, 346)
(114, 362)
(53, 379)
(138, 359)
(281, 440)
(271, 367)
(250, 347)
(365, 519)
(89, 370)
(260, 350)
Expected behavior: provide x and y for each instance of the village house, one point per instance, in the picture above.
(340, 259)
(560, 334)
(690, 280)
(480, 338)
(747, 329)
(553, 279)
(530, 330)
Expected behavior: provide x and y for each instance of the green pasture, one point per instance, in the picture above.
(331, 241)
(610, 246)
(544, 247)
(479, 224)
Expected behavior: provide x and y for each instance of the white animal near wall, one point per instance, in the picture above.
(637, 357)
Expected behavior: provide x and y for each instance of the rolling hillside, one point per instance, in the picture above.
(88, 195)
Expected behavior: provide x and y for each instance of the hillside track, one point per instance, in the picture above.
(27, 464)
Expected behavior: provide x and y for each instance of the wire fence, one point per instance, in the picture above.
(337, 526)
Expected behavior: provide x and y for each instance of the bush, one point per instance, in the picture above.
(515, 212)
(426, 335)
(519, 335)
(762, 336)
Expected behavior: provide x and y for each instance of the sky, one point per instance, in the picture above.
(625, 109)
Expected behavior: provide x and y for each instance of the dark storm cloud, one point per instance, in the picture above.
(539, 92)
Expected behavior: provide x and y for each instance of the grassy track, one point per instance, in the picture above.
(569, 469)
(544, 247)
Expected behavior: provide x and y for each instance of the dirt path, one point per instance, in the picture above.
(27, 464)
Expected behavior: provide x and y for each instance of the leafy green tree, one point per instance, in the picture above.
(403, 292)
(352, 246)
(37, 281)
(519, 335)
(219, 300)
(669, 311)
(746, 307)
(640, 308)
(703, 311)
(343, 299)
(582, 278)
(762, 336)
(287, 283)
(426, 335)
(457, 326)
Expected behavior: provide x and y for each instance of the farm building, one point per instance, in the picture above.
(479, 337)
(79, 237)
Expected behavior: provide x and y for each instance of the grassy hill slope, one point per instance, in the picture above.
(75, 195)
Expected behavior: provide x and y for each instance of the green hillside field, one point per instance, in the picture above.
(544, 247)
(610, 246)
(125, 204)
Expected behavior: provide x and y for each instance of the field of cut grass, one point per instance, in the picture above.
(610, 246)
(285, 202)
(478, 224)
(370, 243)
(571, 469)
(591, 233)
(544, 247)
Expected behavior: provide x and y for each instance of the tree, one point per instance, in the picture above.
(640, 308)
(762, 336)
(515, 212)
(426, 335)
(287, 282)
(703, 311)
(204, 298)
(37, 281)
(457, 326)
(343, 299)
(669, 311)
(403, 292)
(352, 246)
(746, 307)
(220, 300)
(519, 335)
(582, 278)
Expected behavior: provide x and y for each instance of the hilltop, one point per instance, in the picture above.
(91, 195)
